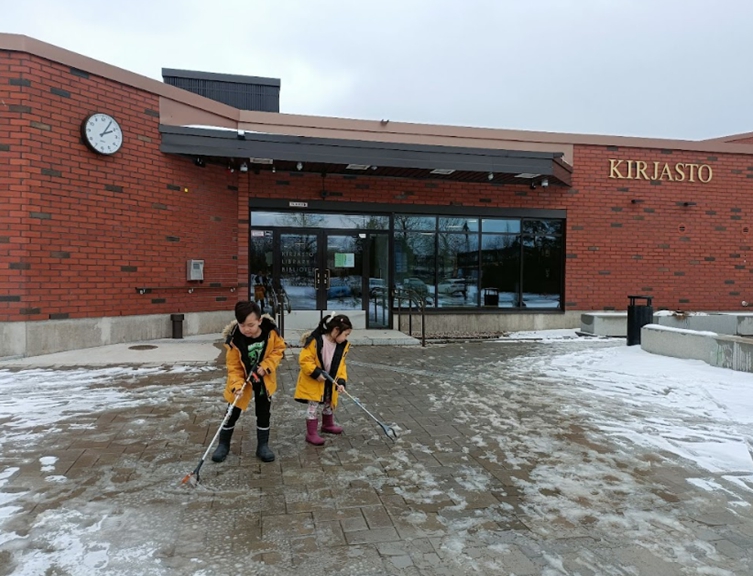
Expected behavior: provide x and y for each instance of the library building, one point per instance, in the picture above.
(128, 202)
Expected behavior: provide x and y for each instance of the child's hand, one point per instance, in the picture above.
(261, 371)
(340, 388)
(341, 384)
(321, 378)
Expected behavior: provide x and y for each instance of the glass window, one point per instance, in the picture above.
(500, 270)
(415, 263)
(457, 270)
(501, 225)
(260, 263)
(314, 220)
(406, 223)
(542, 271)
(542, 226)
(458, 224)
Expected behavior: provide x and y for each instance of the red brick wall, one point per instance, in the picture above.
(688, 257)
(83, 230)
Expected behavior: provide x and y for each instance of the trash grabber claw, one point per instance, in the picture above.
(192, 478)
(388, 430)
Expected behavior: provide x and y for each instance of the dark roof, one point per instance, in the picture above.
(388, 158)
(215, 77)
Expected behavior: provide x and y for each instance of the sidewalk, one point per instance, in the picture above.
(192, 349)
(513, 458)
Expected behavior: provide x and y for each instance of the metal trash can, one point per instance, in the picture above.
(638, 315)
(177, 320)
(491, 297)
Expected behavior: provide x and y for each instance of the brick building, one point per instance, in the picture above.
(495, 229)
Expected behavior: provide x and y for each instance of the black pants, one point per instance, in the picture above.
(263, 409)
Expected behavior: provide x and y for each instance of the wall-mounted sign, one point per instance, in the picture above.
(298, 204)
(640, 170)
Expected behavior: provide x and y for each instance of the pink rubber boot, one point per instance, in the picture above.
(329, 426)
(311, 435)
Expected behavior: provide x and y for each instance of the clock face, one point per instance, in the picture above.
(102, 133)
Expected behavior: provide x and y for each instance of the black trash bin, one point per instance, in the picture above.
(177, 320)
(638, 315)
(491, 297)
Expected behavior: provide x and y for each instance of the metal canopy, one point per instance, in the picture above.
(328, 155)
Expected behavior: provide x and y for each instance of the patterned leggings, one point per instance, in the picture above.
(313, 407)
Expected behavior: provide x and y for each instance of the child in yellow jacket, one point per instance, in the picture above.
(253, 343)
(324, 350)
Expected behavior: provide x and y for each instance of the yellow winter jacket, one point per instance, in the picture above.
(308, 388)
(237, 371)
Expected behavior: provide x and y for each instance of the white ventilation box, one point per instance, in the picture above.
(195, 270)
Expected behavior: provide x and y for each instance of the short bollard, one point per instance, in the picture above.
(638, 315)
(177, 320)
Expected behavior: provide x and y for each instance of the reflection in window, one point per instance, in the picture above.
(407, 223)
(457, 270)
(415, 262)
(500, 270)
(458, 224)
(542, 227)
(542, 271)
(260, 257)
(505, 226)
(314, 220)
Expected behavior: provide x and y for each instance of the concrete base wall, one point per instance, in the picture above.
(610, 324)
(20, 339)
(309, 319)
(614, 324)
(719, 323)
(469, 324)
(723, 351)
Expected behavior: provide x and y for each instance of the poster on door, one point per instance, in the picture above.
(345, 260)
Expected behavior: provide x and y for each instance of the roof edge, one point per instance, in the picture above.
(251, 120)
(34, 47)
(348, 128)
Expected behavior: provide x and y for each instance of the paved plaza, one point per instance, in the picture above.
(503, 466)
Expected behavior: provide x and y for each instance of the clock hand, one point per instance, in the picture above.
(106, 129)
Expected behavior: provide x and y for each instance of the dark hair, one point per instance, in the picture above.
(327, 325)
(244, 308)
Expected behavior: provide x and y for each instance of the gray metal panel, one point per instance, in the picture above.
(212, 76)
(225, 144)
(242, 92)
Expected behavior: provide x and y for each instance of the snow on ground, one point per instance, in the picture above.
(543, 335)
(544, 415)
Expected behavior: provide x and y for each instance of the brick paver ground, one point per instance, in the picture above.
(495, 472)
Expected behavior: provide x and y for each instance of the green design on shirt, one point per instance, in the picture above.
(255, 351)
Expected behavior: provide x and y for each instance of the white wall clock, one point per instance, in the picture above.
(102, 133)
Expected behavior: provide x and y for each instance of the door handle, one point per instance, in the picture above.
(317, 278)
(326, 277)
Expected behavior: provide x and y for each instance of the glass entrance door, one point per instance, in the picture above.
(342, 288)
(325, 271)
(376, 275)
(298, 270)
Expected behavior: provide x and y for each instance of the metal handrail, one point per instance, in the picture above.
(413, 298)
(278, 299)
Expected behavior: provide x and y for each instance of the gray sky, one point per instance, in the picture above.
(655, 68)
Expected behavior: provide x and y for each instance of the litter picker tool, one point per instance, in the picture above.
(193, 477)
(388, 430)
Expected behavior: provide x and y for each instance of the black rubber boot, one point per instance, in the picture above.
(263, 452)
(224, 446)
